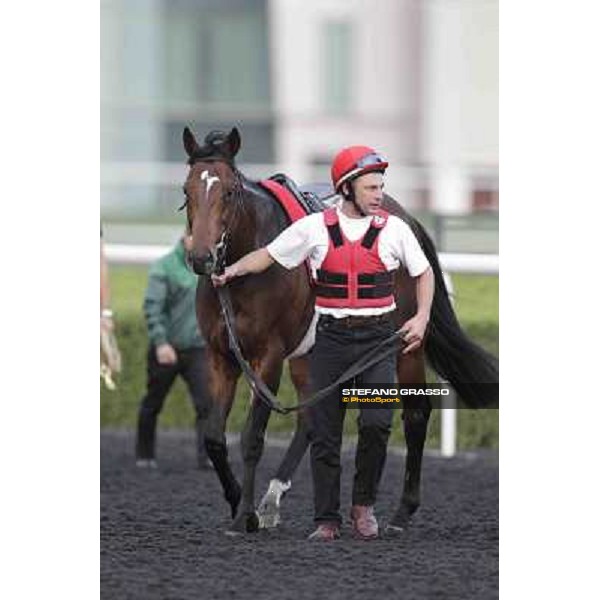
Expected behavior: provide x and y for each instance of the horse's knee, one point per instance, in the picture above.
(149, 412)
(202, 412)
(415, 425)
(214, 425)
(215, 447)
(252, 445)
(416, 418)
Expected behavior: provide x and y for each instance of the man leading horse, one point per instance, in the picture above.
(353, 250)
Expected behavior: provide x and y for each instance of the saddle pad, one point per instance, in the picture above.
(291, 206)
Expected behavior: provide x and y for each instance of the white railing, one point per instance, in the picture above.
(485, 264)
(134, 255)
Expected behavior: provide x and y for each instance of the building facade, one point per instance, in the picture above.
(417, 79)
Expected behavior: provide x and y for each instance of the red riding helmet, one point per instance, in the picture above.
(355, 161)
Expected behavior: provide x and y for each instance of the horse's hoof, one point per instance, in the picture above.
(234, 498)
(231, 533)
(268, 509)
(392, 530)
(244, 523)
(401, 520)
(252, 523)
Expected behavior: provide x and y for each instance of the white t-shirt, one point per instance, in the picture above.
(308, 238)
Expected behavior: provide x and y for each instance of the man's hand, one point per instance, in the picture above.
(229, 273)
(166, 355)
(109, 350)
(413, 332)
(254, 262)
(106, 321)
(414, 329)
(106, 324)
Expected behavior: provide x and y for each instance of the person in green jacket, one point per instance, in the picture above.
(176, 347)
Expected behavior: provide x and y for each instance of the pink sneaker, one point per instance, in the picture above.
(325, 532)
(364, 523)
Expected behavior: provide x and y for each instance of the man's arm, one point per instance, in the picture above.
(106, 321)
(289, 249)
(254, 262)
(155, 301)
(104, 285)
(414, 328)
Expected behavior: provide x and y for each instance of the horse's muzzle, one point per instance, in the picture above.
(202, 265)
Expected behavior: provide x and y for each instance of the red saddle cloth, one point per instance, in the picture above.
(291, 206)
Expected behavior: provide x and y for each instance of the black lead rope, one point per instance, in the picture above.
(260, 389)
(372, 357)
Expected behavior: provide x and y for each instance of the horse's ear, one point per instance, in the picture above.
(189, 142)
(234, 141)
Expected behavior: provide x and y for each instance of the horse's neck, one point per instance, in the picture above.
(259, 221)
(241, 240)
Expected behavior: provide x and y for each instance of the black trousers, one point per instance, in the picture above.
(336, 348)
(190, 366)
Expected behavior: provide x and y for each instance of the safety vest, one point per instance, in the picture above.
(352, 274)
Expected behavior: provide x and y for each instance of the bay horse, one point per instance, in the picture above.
(273, 311)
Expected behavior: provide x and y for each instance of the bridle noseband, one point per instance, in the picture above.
(214, 260)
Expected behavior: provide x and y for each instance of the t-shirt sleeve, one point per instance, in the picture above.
(294, 244)
(407, 249)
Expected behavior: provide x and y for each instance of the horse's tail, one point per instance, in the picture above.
(471, 370)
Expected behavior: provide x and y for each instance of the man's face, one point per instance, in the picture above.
(368, 191)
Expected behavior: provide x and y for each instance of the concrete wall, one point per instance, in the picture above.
(459, 126)
(424, 86)
(384, 81)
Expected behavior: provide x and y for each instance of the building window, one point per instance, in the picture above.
(217, 58)
(237, 66)
(337, 66)
(217, 74)
(182, 76)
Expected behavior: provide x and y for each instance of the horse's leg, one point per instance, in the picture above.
(268, 509)
(253, 438)
(222, 379)
(411, 370)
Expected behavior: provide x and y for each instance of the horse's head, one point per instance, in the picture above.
(210, 190)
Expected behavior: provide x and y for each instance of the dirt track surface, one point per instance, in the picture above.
(162, 532)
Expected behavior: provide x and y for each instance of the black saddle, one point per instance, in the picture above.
(313, 197)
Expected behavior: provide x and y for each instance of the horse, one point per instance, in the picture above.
(273, 312)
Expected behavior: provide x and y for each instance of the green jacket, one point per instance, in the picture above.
(170, 302)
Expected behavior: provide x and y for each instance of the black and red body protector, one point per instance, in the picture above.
(352, 274)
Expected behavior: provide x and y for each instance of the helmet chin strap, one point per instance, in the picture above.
(351, 197)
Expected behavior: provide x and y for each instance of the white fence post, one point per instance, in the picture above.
(448, 425)
(448, 410)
